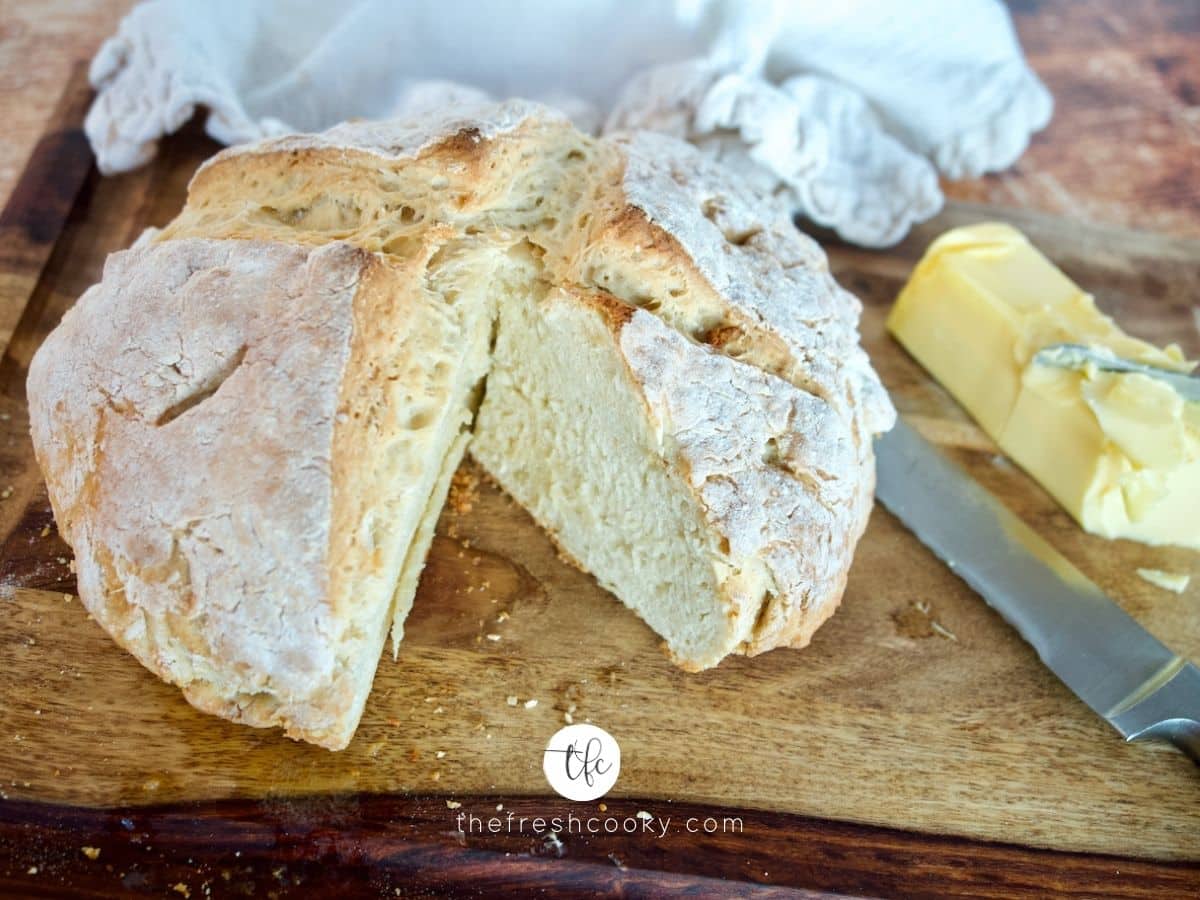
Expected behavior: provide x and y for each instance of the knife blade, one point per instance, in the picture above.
(1081, 356)
(1116, 667)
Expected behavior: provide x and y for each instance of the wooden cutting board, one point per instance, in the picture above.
(916, 708)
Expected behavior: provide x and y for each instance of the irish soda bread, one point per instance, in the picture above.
(248, 427)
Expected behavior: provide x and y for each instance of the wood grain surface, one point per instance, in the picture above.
(43, 198)
(886, 720)
(1124, 144)
(41, 44)
(353, 845)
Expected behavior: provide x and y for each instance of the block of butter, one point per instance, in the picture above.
(1120, 451)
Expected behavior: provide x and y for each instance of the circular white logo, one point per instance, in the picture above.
(582, 762)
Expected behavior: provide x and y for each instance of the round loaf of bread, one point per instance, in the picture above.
(248, 427)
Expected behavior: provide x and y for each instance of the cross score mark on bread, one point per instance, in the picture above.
(249, 426)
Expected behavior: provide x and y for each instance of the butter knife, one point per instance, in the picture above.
(1080, 356)
(1145, 691)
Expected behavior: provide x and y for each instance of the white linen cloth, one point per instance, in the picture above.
(847, 110)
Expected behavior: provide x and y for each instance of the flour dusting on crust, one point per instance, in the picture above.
(187, 412)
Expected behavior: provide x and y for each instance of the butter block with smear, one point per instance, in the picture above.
(1120, 451)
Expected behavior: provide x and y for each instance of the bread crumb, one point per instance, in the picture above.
(568, 718)
(493, 637)
(499, 807)
(530, 704)
(464, 491)
(440, 754)
(438, 710)
(45, 531)
(91, 852)
(941, 629)
(181, 888)
(603, 807)
(502, 616)
(452, 804)
(32, 870)
(642, 814)
(436, 776)
(6, 493)
(512, 700)
(1169, 581)
(916, 621)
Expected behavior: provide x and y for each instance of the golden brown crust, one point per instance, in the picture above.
(615, 313)
(194, 418)
(131, 401)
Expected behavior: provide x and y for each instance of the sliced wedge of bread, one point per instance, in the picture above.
(242, 442)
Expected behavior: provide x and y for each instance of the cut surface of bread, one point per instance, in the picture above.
(566, 429)
(665, 372)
